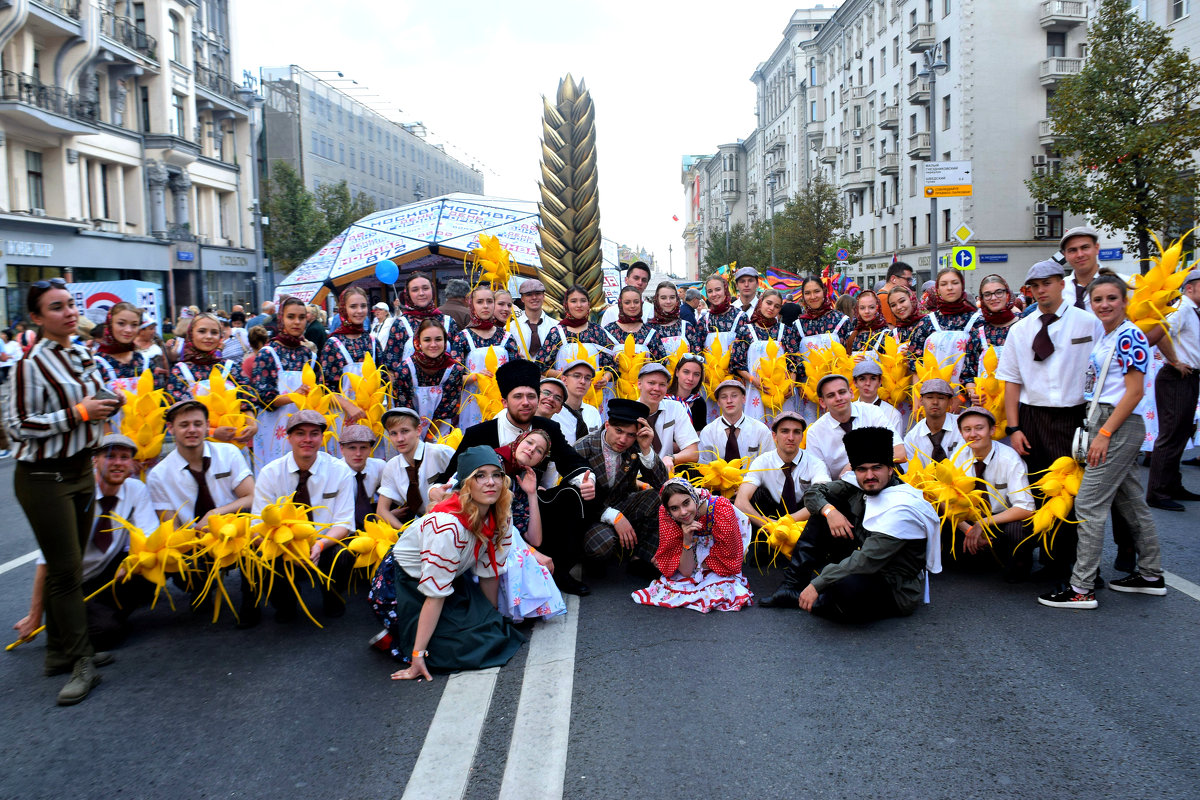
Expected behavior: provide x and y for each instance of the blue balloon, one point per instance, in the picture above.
(387, 271)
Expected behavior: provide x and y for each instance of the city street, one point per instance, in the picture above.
(983, 693)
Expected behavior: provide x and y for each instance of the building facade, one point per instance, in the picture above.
(328, 136)
(857, 112)
(125, 147)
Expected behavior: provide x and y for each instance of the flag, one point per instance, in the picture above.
(675, 218)
(894, 259)
(783, 281)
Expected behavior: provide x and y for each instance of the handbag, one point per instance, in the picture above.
(1082, 439)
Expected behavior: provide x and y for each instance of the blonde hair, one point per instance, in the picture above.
(501, 510)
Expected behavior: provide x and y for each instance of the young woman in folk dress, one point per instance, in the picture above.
(576, 335)
(430, 381)
(346, 348)
(819, 326)
(669, 327)
(471, 345)
(630, 323)
(120, 366)
(721, 324)
(687, 386)
(870, 328)
(277, 371)
(419, 306)
(947, 327)
(189, 376)
(908, 315)
(750, 348)
(999, 308)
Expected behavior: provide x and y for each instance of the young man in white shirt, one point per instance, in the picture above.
(318, 480)
(118, 494)
(778, 479)
(552, 394)
(400, 499)
(1004, 477)
(576, 418)
(531, 327)
(745, 280)
(841, 416)
(674, 437)
(733, 434)
(198, 478)
(637, 276)
(868, 377)
(357, 442)
(935, 437)
(1176, 389)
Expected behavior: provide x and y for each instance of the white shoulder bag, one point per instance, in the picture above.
(1083, 436)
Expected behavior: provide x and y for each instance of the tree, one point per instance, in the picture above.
(340, 209)
(1126, 125)
(716, 254)
(807, 225)
(298, 228)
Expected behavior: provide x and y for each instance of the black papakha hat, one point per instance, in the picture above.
(517, 373)
(869, 446)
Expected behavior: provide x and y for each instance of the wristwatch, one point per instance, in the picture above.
(1009, 430)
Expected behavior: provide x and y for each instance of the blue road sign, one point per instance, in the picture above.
(993, 258)
(842, 254)
(1111, 254)
(963, 259)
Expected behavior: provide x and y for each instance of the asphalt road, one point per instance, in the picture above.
(983, 693)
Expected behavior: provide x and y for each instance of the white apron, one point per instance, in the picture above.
(350, 367)
(727, 339)
(570, 351)
(115, 384)
(426, 397)
(270, 442)
(476, 361)
(410, 340)
(756, 353)
(670, 343)
(949, 347)
(820, 341)
(201, 388)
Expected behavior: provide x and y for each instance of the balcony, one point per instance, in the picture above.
(921, 37)
(918, 91)
(859, 92)
(1046, 135)
(889, 164)
(43, 108)
(1059, 14)
(828, 155)
(859, 180)
(889, 117)
(918, 146)
(1054, 70)
(776, 142)
(124, 31)
(213, 81)
(63, 14)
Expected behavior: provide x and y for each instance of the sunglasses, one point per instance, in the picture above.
(58, 283)
(691, 357)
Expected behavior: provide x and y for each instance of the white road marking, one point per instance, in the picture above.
(16, 562)
(1182, 585)
(537, 754)
(444, 764)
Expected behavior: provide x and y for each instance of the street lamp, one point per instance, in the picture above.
(933, 64)
(771, 188)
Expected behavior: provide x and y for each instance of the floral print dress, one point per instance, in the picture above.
(645, 336)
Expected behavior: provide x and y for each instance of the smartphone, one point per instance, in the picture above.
(105, 394)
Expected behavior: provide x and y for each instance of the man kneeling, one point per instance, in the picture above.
(869, 539)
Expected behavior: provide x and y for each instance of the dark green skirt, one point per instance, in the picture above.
(470, 633)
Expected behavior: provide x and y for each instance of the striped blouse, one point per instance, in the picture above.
(41, 415)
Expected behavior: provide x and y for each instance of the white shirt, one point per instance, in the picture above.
(521, 324)
(374, 472)
(896, 419)
(330, 487)
(737, 303)
(433, 459)
(172, 487)
(134, 506)
(674, 426)
(1125, 349)
(919, 446)
(610, 313)
(566, 421)
(506, 431)
(440, 549)
(1006, 473)
(753, 438)
(1185, 333)
(1070, 291)
(1056, 382)
(825, 435)
(767, 470)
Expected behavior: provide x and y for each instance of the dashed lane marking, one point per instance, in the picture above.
(444, 764)
(16, 562)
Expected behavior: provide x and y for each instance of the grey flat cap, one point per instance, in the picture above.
(579, 362)
(977, 411)
(746, 272)
(556, 382)
(1194, 275)
(729, 384)
(399, 411)
(357, 433)
(1045, 269)
(652, 368)
(833, 376)
(936, 386)
(1082, 230)
(788, 415)
(530, 286)
(189, 404)
(867, 367)
(116, 440)
(306, 416)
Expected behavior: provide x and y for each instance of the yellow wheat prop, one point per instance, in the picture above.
(896, 379)
(928, 368)
(1057, 487)
(775, 378)
(224, 404)
(824, 361)
(1154, 292)
(720, 476)
(370, 392)
(317, 398)
(991, 391)
(142, 417)
(716, 367)
(488, 391)
(952, 492)
(284, 537)
(490, 263)
(629, 363)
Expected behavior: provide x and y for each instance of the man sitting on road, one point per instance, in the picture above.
(868, 377)
(778, 479)
(867, 543)
(675, 439)
(733, 434)
(936, 436)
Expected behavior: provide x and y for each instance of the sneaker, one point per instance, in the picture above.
(1136, 584)
(382, 642)
(1068, 598)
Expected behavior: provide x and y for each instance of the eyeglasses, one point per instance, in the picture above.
(552, 395)
(489, 477)
(996, 295)
(56, 282)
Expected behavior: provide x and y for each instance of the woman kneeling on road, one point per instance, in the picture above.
(422, 591)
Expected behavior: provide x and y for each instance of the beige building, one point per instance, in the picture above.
(125, 149)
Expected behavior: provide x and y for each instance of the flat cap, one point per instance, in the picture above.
(788, 415)
(867, 367)
(116, 440)
(189, 404)
(531, 285)
(579, 362)
(652, 368)
(746, 272)
(1081, 230)
(556, 382)
(730, 383)
(977, 411)
(833, 376)
(1194, 275)
(936, 386)
(399, 411)
(357, 433)
(1045, 269)
(306, 416)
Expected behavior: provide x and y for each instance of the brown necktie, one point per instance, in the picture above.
(535, 339)
(939, 452)
(302, 496)
(788, 495)
(847, 426)
(1080, 293)
(102, 531)
(732, 450)
(581, 429)
(653, 420)
(412, 497)
(980, 484)
(204, 500)
(1043, 347)
(362, 502)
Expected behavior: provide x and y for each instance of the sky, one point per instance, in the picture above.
(667, 79)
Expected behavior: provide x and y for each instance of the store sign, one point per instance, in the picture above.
(234, 261)
(30, 249)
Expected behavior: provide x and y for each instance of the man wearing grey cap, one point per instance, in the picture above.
(1080, 246)
(868, 377)
(675, 439)
(745, 280)
(842, 415)
(1176, 390)
(533, 325)
(733, 434)
(935, 437)
(637, 276)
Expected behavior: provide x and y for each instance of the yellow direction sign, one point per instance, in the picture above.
(963, 258)
(948, 191)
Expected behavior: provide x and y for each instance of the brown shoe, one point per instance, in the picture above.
(84, 678)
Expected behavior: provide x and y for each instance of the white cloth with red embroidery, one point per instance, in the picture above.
(437, 548)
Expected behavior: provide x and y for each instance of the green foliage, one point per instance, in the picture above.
(339, 208)
(298, 228)
(1126, 128)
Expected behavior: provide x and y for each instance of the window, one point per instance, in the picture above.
(945, 8)
(352, 158)
(342, 152)
(176, 39)
(870, 70)
(912, 180)
(178, 121)
(946, 224)
(946, 51)
(144, 101)
(913, 230)
(33, 177)
(139, 17)
(946, 112)
(912, 124)
(895, 50)
(316, 144)
(1056, 44)
(1179, 9)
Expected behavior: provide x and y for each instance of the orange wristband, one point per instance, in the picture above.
(1104, 433)
(81, 411)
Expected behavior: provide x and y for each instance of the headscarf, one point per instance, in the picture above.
(662, 317)
(422, 312)
(109, 346)
(702, 497)
(432, 364)
(345, 328)
(916, 315)
(287, 340)
(759, 319)
(717, 309)
(476, 322)
(1006, 314)
(508, 454)
(453, 505)
(193, 354)
(622, 317)
(825, 307)
(572, 323)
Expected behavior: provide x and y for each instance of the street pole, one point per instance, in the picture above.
(933, 65)
(727, 258)
(771, 188)
(256, 102)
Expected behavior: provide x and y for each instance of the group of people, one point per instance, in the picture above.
(544, 495)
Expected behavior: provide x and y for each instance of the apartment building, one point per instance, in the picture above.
(124, 149)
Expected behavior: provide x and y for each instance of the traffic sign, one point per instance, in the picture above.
(963, 258)
(842, 254)
(948, 173)
(963, 190)
(963, 233)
